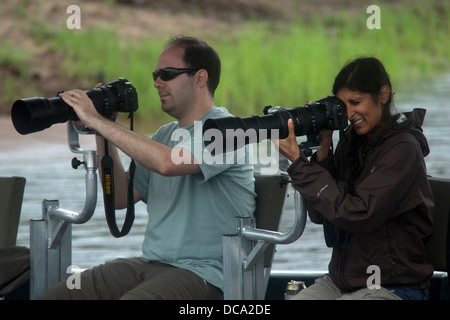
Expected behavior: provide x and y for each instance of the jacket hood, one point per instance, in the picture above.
(410, 122)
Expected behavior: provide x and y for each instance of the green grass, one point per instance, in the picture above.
(287, 67)
(12, 61)
(266, 64)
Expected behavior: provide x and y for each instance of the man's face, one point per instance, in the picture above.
(177, 95)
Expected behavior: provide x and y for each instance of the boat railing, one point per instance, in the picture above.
(51, 236)
(247, 256)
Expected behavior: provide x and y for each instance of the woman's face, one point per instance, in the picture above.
(363, 111)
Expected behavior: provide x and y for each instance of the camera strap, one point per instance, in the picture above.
(108, 193)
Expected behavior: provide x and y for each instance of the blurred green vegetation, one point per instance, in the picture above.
(264, 63)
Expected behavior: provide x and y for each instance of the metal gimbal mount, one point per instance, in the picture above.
(51, 237)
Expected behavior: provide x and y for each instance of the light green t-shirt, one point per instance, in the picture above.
(188, 215)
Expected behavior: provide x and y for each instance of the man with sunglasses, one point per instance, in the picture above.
(190, 205)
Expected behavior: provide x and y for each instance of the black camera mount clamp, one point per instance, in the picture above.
(311, 144)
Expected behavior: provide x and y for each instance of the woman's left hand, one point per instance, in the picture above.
(289, 146)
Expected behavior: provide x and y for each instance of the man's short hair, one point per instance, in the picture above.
(199, 55)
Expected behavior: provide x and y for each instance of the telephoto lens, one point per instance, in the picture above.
(326, 113)
(36, 114)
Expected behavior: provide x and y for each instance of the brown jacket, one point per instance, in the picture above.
(386, 210)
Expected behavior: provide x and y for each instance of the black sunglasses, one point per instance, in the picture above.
(167, 74)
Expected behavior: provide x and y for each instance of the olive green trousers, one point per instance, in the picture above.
(135, 279)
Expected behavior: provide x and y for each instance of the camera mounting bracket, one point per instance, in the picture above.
(73, 132)
(311, 144)
(51, 236)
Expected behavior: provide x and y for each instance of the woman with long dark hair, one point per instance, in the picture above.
(372, 194)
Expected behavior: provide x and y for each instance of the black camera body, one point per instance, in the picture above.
(35, 114)
(326, 113)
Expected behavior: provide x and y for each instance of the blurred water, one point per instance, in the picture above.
(50, 176)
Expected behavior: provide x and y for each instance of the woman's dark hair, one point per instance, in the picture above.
(199, 55)
(368, 75)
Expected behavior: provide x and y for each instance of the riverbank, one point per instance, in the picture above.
(278, 53)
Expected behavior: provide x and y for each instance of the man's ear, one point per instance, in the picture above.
(201, 78)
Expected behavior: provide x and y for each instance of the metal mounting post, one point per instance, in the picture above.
(51, 237)
(245, 276)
